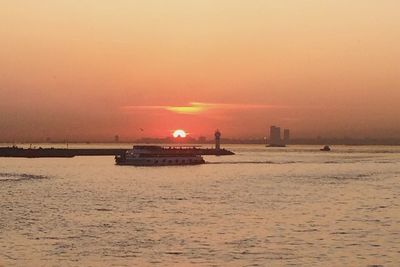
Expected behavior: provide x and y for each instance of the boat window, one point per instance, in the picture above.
(176, 161)
(163, 160)
(156, 161)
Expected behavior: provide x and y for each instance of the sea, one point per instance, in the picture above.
(293, 206)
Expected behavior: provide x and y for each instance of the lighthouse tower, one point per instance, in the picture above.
(217, 139)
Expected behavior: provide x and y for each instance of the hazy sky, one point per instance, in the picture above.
(90, 69)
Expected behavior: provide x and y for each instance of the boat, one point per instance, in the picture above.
(276, 145)
(326, 148)
(159, 156)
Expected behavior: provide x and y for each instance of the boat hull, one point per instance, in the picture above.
(160, 161)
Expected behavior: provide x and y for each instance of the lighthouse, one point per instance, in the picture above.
(217, 139)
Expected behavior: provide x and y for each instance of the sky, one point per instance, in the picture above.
(91, 69)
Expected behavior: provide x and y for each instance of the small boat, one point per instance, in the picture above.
(326, 148)
(276, 145)
(159, 156)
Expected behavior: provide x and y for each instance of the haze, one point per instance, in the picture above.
(87, 70)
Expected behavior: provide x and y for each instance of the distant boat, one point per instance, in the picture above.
(276, 145)
(159, 156)
(326, 148)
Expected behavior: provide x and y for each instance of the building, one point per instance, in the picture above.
(275, 139)
(286, 136)
(275, 136)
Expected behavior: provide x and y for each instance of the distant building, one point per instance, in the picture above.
(275, 136)
(286, 136)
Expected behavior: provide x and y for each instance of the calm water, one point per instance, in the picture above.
(262, 207)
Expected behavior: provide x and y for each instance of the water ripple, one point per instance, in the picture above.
(16, 177)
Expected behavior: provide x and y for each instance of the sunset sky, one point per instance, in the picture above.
(90, 69)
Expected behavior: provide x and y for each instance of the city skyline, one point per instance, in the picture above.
(89, 70)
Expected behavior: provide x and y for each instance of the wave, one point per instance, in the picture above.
(253, 162)
(15, 177)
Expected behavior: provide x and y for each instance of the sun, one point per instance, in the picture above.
(179, 133)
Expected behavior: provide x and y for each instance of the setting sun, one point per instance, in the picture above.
(179, 133)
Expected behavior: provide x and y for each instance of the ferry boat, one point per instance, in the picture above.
(159, 156)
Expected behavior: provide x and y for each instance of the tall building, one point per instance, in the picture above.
(286, 136)
(275, 136)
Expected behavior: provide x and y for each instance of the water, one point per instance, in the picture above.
(292, 206)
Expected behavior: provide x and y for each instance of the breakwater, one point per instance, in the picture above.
(72, 152)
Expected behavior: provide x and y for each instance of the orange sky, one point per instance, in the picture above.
(90, 69)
